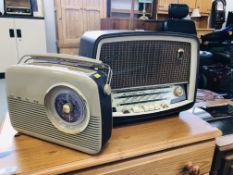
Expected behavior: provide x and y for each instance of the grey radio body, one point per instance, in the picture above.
(31, 91)
(154, 74)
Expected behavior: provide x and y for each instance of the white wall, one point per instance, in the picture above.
(229, 6)
(50, 24)
(1, 6)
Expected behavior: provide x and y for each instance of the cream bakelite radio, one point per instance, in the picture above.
(62, 99)
(154, 74)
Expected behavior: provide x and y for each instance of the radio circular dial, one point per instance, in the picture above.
(178, 91)
(67, 109)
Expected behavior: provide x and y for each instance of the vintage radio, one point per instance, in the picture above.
(16, 7)
(154, 74)
(61, 99)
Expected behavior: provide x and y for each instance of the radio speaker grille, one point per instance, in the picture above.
(146, 62)
(32, 117)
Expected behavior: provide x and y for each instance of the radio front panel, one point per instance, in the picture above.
(147, 100)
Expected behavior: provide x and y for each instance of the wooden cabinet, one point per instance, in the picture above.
(172, 162)
(190, 3)
(129, 9)
(163, 5)
(18, 39)
(76, 17)
(166, 146)
(204, 6)
(129, 24)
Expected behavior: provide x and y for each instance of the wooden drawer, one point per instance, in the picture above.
(170, 162)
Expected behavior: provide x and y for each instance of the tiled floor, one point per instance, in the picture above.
(3, 101)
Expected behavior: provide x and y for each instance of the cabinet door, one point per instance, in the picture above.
(190, 3)
(31, 37)
(8, 48)
(163, 5)
(76, 17)
(204, 6)
(167, 163)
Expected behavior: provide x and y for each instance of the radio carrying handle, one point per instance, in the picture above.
(70, 60)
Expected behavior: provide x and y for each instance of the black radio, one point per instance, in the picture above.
(154, 74)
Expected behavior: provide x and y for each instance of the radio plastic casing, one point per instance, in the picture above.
(27, 88)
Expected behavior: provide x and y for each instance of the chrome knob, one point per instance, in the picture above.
(178, 91)
(67, 108)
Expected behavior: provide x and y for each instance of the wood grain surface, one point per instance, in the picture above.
(163, 163)
(27, 155)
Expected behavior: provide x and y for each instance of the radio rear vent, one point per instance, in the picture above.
(33, 117)
(147, 62)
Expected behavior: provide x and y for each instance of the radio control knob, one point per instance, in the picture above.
(67, 108)
(178, 91)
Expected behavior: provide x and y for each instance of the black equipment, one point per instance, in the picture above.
(217, 73)
(229, 19)
(176, 23)
(218, 13)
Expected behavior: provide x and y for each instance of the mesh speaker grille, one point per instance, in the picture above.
(32, 117)
(146, 62)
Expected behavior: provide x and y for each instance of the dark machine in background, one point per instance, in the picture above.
(216, 71)
(218, 13)
(229, 19)
(221, 117)
(176, 21)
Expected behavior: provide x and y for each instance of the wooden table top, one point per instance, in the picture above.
(27, 155)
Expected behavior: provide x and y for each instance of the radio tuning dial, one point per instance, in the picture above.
(178, 91)
(67, 109)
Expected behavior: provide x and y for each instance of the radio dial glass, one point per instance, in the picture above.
(70, 107)
(67, 109)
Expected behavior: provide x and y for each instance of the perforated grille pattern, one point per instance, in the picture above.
(32, 117)
(143, 63)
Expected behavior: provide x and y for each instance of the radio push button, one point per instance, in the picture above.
(156, 106)
(137, 109)
(146, 108)
(151, 107)
(164, 105)
(125, 111)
